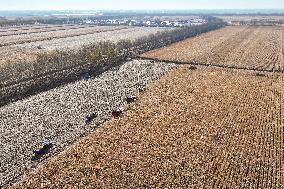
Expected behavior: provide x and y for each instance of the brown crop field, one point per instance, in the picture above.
(214, 119)
(248, 47)
(204, 128)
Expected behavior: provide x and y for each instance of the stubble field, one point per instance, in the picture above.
(204, 128)
(256, 48)
(217, 123)
(22, 44)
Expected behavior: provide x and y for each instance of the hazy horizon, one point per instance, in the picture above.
(44, 5)
(24, 13)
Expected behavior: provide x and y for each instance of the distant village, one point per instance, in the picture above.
(101, 20)
(147, 23)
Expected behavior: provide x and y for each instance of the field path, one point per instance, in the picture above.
(204, 128)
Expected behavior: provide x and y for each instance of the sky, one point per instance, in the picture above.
(141, 4)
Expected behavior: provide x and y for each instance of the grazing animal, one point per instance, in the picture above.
(87, 76)
(260, 74)
(141, 89)
(130, 99)
(117, 113)
(192, 68)
(91, 117)
(42, 149)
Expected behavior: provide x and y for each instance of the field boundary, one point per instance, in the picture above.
(210, 65)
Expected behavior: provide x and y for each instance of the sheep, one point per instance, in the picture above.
(141, 89)
(260, 74)
(42, 149)
(192, 68)
(87, 76)
(130, 99)
(91, 117)
(117, 113)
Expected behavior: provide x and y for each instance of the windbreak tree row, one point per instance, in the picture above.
(56, 67)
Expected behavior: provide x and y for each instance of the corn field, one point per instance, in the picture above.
(248, 47)
(203, 128)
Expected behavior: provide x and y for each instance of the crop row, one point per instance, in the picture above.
(194, 48)
(257, 48)
(33, 30)
(32, 37)
(28, 51)
(194, 128)
(76, 42)
(31, 27)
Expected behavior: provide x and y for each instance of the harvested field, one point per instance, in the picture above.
(14, 54)
(29, 27)
(251, 18)
(41, 29)
(256, 48)
(57, 34)
(78, 41)
(67, 39)
(59, 114)
(204, 128)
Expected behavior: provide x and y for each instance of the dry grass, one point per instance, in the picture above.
(205, 128)
(259, 48)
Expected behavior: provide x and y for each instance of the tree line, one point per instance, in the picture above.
(89, 58)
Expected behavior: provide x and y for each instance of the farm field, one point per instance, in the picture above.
(59, 114)
(39, 29)
(25, 47)
(208, 112)
(29, 27)
(251, 18)
(41, 36)
(247, 47)
(77, 41)
(204, 128)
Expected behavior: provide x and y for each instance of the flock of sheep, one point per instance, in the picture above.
(62, 115)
